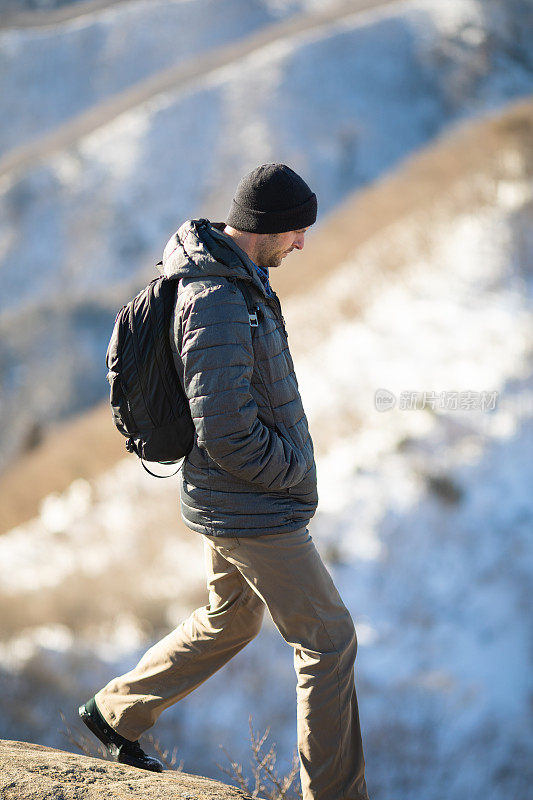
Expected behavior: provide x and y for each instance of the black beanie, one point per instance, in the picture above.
(272, 199)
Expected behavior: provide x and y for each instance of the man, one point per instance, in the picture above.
(249, 487)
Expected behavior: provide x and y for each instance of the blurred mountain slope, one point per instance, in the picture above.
(73, 121)
(425, 510)
(343, 103)
(47, 12)
(51, 73)
(453, 176)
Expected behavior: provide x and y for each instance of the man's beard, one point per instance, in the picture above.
(274, 260)
(271, 258)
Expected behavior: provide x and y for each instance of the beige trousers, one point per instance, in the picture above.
(285, 573)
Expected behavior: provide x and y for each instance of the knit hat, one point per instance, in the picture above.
(272, 199)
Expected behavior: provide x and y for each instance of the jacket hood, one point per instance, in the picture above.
(199, 248)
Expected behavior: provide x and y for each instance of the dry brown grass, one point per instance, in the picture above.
(456, 173)
(79, 448)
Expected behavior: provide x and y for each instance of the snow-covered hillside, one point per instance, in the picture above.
(49, 74)
(342, 103)
(425, 519)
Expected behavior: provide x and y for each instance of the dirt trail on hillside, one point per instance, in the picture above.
(171, 79)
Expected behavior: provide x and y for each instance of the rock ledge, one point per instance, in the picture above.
(34, 772)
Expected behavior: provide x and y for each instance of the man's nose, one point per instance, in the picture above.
(299, 242)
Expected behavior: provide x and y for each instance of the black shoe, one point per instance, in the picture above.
(123, 750)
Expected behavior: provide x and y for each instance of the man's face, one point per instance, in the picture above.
(272, 248)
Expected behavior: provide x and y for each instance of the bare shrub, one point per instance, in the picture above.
(267, 783)
(163, 755)
(82, 742)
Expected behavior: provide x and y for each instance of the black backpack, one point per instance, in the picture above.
(148, 403)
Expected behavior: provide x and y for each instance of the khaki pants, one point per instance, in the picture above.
(284, 573)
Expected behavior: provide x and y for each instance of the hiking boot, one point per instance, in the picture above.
(123, 750)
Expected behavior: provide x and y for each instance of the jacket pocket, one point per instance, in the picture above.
(295, 440)
(306, 490)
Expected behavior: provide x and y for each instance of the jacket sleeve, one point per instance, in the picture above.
(217, 355)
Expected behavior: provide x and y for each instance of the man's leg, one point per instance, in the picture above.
(288, 574)
(185, 658)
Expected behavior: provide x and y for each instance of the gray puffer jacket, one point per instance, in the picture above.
(251, 470)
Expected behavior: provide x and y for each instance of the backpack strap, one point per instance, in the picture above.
(132, 448)
(254, 311)
(149, 471)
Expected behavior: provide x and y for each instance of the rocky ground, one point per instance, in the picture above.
(32, 772)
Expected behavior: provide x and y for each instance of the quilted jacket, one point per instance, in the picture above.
(251, 470)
